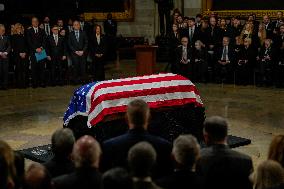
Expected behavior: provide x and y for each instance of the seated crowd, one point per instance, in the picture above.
(140, 160)
(218, 49)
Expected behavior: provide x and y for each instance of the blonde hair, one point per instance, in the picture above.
(9, 158)
(276, 149)
(250, 27)
(15, 27)
(262, 33)
(269, 174)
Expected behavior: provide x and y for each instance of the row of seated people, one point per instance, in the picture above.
(146, 161)
(229, 49)
(239, 63)
(20, 50)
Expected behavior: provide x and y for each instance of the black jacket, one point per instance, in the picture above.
(98, 48)
(223, 168)
(36, 40)
(181, 179)
(54, 50)
(87, 178)
(5, 44)
(57, 167)
(115, 151)
(74, 45)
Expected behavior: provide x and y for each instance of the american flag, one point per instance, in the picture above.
(100, 99)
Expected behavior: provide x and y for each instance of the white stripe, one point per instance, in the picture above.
(143, 86)
(89, 95)
(147, 98)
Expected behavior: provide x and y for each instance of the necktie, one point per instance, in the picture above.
(77, 35)
(212, 32)
(35, 30)
(184, 54)
(56, 39)
(224, 56)
(1, 37)
(191, 34)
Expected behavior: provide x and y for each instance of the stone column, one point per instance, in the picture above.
(192, 7)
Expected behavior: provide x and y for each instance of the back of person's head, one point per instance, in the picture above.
(86, 152)
(186, 151)
(37, 177)
(268, 174)
(8, 157)
(3, 172)
(138, 113)
(141, 159)
(276, 149)
(62, 142)
(117, 178)
(215, 130)
(20, 169)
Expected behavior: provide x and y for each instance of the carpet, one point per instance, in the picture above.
(44, 153)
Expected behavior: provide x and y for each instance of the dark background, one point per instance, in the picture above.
(20, 10)
(248, 5)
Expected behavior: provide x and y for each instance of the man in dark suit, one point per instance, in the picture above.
(5, 49)
(164, 9)
(110, 29)
(225, 57)
(115, 150)
(98, 50)
(62, 144)
(47, 26)
(279, 21)
(185, 154)
(184, 58)
(56, 54)
(86, 155)
(141, 159)
(192, 32)
(219, 166)
(37, 43)
(268, 26)
(214, 34)
(78, 44)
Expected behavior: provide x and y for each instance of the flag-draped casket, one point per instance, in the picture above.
(99, 100)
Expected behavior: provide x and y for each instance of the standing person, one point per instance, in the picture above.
(174, 42)
(110, 28)
(5, 49)
(78, 44)
(98, 49)
(56, 54)
(192, 32)
(164, 9)
(36, 41)
(183, 58)
(20, 55)
(46, 24)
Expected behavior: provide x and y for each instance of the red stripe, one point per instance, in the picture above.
(136, 93)
(154, 105)
(133, 82)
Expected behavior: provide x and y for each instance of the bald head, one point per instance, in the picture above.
(37, 177)
(86, 152)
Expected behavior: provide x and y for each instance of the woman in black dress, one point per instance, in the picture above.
(98, 50)
(20, 55)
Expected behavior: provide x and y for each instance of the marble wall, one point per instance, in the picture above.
(146, 18)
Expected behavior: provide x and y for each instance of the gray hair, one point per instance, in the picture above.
(186, 150)
(86, 152)
(141, 158)
(62, 142)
